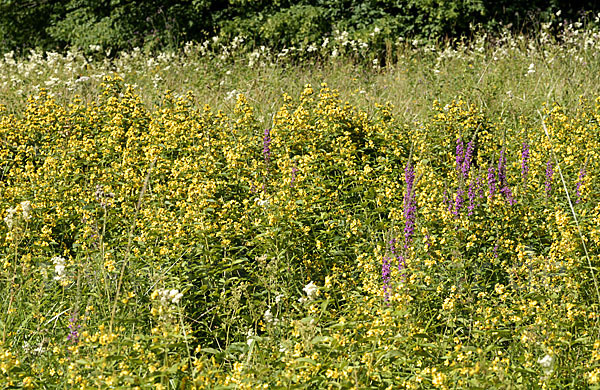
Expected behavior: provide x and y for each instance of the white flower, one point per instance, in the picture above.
(166, 295)
(547, 363)
(311, 290)
(26, 209)
(175, 296)
(233, 94)
(268, 315)
(278, 298)
(59, 267)
(531, 68)
(10, 217)
(249, 339)
(261, 202)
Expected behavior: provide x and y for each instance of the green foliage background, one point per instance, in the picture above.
(159, 24)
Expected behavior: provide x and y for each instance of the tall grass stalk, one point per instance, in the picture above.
(129, 240)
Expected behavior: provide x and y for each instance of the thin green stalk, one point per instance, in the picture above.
(130, 239)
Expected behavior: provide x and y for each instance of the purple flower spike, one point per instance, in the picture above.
(267, 145)
(466, 167)
(508, 195)
(410, 207)
(471, 194)
(293, 180)
(491, 177)
(504, 189)
(502, 168)
(73, 335)
(458, 202)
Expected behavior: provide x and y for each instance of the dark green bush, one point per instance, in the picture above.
(159, 24)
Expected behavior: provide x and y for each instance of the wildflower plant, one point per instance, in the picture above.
(140, 248)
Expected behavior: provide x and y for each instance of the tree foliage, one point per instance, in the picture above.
(157, 24)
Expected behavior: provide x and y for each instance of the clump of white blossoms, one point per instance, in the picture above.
(531, 69)
(59, 268)
(9, 219)
(249, 338)
(13, 215)
(547, 363)
(311, 290)
(168, 296)
(26, 210)
(268, 315)
(261, 202)
(270, 318)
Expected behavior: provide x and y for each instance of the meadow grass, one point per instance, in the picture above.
(507, 76)
(214, 219)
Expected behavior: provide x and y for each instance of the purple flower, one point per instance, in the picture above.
(508, 195)
(579, 183)
(267, 145)
(294, 170)
(549, 174)
(466, 167)
(458, 202)
(73, 335)
(502, 168)
(471, 194)
(525, 161)
(410, 207)
(491, 177)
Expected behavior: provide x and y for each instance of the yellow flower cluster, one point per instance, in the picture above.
(172, 245)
